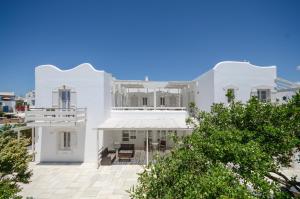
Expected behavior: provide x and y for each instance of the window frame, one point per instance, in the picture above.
(233, 91)
(145, 101)
(265, 93)
(65, 141)
(127, 137)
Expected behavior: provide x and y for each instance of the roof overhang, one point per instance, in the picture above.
(144, 124)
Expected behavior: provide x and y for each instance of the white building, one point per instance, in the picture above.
(82, 111)
(285, 90)
(7, 101)
(30, 98)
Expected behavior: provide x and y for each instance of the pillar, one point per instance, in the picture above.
(179, 103)
(98, 161)
(147, 148)
(154, 98)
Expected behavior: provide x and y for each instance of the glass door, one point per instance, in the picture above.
(64, 99)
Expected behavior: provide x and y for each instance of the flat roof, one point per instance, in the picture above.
(7, 93)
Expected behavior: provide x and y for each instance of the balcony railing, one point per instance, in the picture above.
(150, 108)
(55, 117)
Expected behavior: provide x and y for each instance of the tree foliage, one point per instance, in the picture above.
(233, 152)
(14, 159)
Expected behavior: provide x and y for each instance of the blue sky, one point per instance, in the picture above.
(166, 40)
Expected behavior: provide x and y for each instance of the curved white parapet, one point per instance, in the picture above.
(238, 63)
(83, 66)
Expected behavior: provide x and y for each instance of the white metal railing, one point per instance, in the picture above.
(54, 116)
(150, 108)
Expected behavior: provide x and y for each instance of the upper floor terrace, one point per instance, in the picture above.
(151, 95)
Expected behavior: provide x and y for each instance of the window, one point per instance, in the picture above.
(65, 141)
(145, 101)
(230, 95)
(263, 95)
(162, 135)
(284, 98)
(174, 132)
(128, 135)
(132, 134)
(125, 136)
(162, 101)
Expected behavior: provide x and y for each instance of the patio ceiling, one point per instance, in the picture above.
(144, 124)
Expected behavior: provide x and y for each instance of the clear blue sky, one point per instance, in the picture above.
(166, 40)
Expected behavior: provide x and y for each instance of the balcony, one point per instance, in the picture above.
(55, 117)
(147, 108)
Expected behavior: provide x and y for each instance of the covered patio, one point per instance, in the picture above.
(137, 139)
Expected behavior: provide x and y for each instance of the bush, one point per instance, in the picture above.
(14, 159)
(234, 152)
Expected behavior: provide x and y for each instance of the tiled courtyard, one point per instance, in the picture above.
(81, 181)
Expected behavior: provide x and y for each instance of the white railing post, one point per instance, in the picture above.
(98, 150)
(147, 148)
(154, 99)
(33, 143)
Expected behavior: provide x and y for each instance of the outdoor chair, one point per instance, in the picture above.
(107, 157)
(162, 145)
(126, 151)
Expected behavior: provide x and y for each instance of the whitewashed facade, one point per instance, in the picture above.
(81, 110)
(30, 98)
(7, 102)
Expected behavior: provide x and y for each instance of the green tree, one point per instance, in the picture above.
(234, 152)
(14, 159)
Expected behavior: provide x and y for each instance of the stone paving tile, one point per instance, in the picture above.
(80, 181)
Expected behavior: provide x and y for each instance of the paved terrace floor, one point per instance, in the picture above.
(82, 181)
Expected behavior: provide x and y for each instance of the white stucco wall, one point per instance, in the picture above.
(50, 150)
(243, 77)
(288, 94)
(204, 90)
(93, 92)
(11, 104)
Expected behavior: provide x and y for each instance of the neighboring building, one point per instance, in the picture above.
(7, 102)
(30, 98)
(243, 78)
(82, 111)
(285, 90)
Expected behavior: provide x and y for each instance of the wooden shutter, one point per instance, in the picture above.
(55, 99)
(73, 99)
